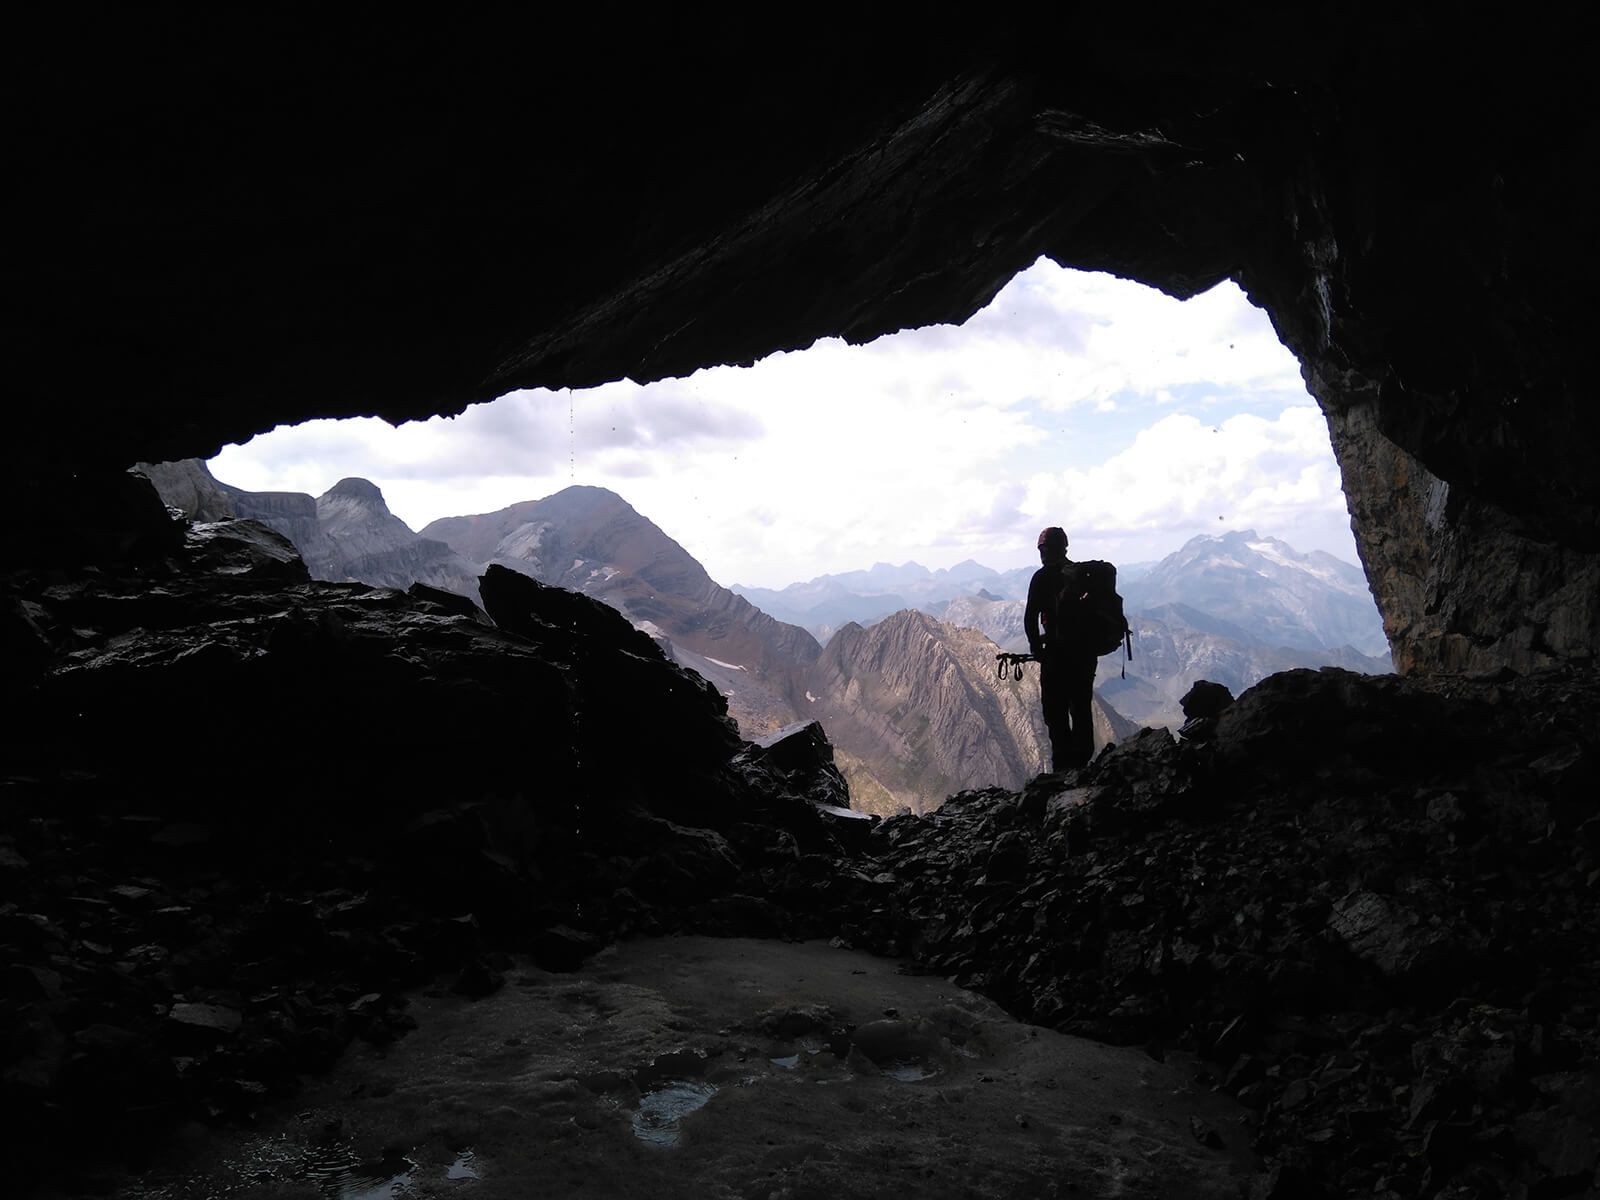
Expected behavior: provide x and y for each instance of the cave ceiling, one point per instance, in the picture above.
(234, 221)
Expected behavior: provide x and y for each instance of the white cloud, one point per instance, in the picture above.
(1082, 398)
(1183, 476)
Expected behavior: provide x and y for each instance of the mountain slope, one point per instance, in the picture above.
(370, 544)
(917, 712)
(591, 540)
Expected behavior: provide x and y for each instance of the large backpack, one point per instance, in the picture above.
(1088, 608)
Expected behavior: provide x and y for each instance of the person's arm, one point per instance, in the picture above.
(1030, 616)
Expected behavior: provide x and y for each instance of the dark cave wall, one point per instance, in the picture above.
(240, 221)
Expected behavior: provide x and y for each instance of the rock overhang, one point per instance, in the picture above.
(401, 221)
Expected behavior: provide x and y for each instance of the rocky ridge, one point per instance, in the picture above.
(347, 534)
(592, 541)
(897, 747)
(1381, 941)
(202, 904)
(917, 712)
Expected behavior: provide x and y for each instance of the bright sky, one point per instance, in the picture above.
(1133, 420)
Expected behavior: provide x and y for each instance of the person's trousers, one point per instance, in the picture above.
(1066, 690)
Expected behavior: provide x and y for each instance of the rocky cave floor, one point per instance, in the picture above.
(725, 1067)
(257, 829)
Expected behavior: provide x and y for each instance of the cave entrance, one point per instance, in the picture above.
(1135, 420)
(837, 487)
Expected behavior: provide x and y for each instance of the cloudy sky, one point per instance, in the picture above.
(1133, 420)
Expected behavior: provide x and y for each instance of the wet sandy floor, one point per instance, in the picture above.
(710, 1068)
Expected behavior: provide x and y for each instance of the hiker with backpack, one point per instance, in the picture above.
(1073, 616)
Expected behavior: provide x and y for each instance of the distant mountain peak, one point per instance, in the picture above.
(362, 491)
(909, 617)
(588, 491)
(1277, 595)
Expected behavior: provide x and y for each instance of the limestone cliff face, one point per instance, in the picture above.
(189, 486)
(346, 535)
(1463, 584)
(367, 543)
(293, 514)
(918, 714)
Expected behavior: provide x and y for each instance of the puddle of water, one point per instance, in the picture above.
(662, 1110)
(340, 1175)
(908, 1072)
(789, 1062)
(673, 1065)
(334, 1170)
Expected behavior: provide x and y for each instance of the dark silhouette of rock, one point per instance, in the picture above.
(1378, 182)
(245, 548)
(592, 541)
(782, 219)
(1202, 705)
(550, 782)
(1326, 927)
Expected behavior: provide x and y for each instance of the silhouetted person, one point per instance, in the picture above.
(1066, 664)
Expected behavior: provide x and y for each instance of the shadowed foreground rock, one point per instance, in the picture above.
(244, 811)
(1370, 903)
(1383, 941)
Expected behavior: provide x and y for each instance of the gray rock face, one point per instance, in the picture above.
(242, 547)
(1464, 586)
(293, 514)
(369, 544)
(917, 713)
(189, 485)
(346, 535)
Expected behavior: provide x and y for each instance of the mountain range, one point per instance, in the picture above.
(913, 706)
(1232, 609)
(825, 603)
(347, 534)
(905, 685)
